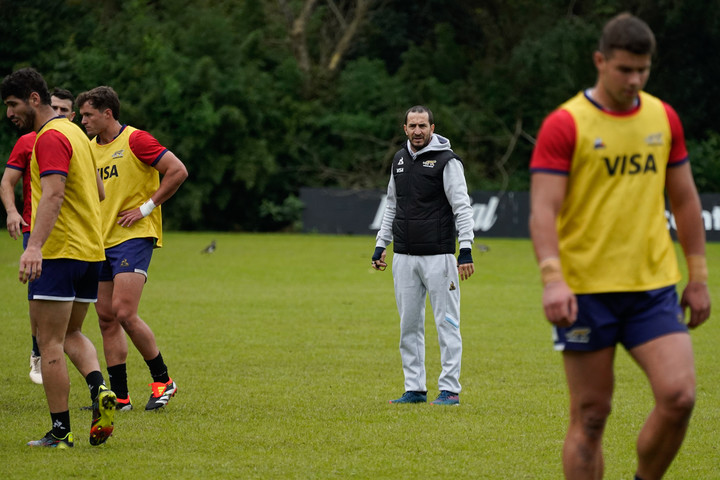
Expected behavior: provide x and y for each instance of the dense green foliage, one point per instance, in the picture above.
(285, 363)
(261, 97)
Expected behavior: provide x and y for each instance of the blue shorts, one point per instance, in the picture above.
(130, 256)
(26, 237)
(629, 318)
(66, 280)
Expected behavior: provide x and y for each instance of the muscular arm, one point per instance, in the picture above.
(547, 193)
(685, 205)
(173, 173)
(15, 221)
(48, 209)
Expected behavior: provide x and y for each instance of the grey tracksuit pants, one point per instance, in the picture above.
(416, 276)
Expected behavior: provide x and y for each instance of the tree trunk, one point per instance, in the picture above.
(361, 10)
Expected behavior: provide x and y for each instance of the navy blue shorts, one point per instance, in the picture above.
(26, 237)
(629, 318)
(130, 256)
(66, 280)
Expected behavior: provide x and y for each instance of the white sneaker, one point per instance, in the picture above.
(35, 372)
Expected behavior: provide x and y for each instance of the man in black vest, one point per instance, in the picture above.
(427, 208)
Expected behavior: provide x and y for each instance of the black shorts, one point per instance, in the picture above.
(133, 255)
(629, 318)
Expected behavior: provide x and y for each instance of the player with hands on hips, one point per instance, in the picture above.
(132, 162)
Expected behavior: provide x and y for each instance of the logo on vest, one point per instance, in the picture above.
(108, 171)
(654, 140)
(598, 144)
(630, 164)
(400, 162)
(119, 154)
(429, 163)
(399, 170)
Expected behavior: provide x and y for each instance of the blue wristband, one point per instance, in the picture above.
(378, 253)
(465, 256)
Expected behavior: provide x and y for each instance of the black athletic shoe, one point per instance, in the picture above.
(161, 394)
(50, 440)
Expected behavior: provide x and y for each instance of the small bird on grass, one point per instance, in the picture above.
(210, 248)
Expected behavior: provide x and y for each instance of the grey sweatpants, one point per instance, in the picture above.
(437, 276)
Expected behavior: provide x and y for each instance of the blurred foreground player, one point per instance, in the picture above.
(601, 166)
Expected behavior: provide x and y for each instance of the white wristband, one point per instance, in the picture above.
(147, 207)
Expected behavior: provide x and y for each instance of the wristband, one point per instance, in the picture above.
(147, 207)
(697, 268)
(465, 256)
(377, 253)
(550, 270)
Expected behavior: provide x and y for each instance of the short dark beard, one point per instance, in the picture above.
(425, 144)
(28, 122)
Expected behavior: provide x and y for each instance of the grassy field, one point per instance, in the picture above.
(284, 348)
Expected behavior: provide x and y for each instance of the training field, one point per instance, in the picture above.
(284, 349)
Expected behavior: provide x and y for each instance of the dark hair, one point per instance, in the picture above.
(627, 32)
(63, 94)
(22, 83)
(101, 98)
(420, 109)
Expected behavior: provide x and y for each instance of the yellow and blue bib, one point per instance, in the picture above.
(619, 165)
(128, 184)
(77, 233)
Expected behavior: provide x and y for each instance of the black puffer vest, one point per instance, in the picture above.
(424, 223)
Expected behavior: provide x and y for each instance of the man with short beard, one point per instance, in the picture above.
(427, 210)
(63, 254)
(17, 168)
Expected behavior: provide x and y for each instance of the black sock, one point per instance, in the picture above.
(60, 423)
(35, 349)
(117, 375)
(94, 380)
(158, 369)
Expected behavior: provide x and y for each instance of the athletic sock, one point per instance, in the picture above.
(60, 423)
(35, 348)
(117, 375)
(158, 369)
(94, 380)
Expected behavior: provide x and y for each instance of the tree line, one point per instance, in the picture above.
(261, 97)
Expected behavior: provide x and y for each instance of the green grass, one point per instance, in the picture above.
(284, 348)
